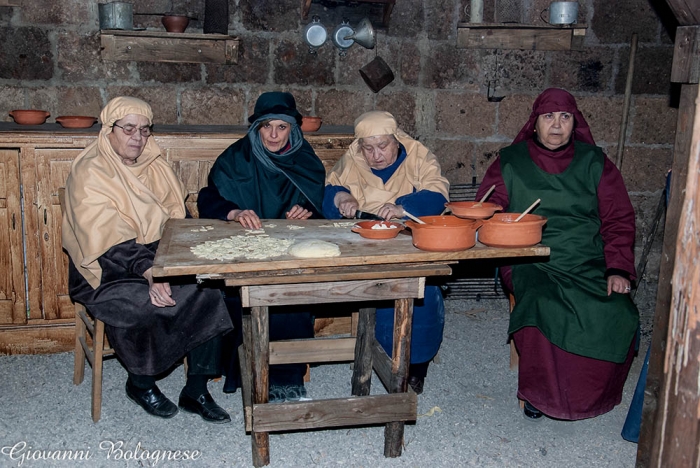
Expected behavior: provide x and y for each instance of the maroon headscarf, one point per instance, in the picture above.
(556, 100)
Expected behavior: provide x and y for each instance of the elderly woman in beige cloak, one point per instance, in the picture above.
(119, 194)
(386, 172)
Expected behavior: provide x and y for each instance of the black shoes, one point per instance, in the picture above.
(416, 384)
(205, 406)
(151, 400)
(531, 412)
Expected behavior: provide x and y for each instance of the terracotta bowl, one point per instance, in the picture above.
(473, 210)
(29, 116)
(310, 124)
(502, 231)
(367, 230)
(76, 121)
(175, 23)
(444, 233)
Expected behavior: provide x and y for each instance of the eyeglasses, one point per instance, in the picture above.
(131, 129)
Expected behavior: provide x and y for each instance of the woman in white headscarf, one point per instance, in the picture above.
(119, 194)
(385, 172)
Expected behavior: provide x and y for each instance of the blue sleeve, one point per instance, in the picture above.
(212, 205)
(423, 203)
(330, 211)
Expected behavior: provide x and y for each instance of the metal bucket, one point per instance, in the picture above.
(116, 15)
(563, 12)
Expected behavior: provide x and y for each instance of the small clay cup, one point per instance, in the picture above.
(310, 124)
(175, 23)
(29, 116)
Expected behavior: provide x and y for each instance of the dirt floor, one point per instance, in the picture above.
(469, 416)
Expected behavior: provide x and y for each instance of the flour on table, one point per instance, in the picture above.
(248, 247)
(255, 231)
(294, 227)
(314, 248)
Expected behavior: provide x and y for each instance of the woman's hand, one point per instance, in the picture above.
(618, 284)
(297, 212)
(159, 292)
(389, 210)
(248, 218)
(346, 203)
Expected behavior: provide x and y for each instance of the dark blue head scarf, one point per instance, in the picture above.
(269, 183)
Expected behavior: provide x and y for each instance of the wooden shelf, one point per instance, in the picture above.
(155, 46)
(519, 36)
(388, 7)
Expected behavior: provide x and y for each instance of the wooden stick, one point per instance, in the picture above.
(483, 199)
(406, 213)
(626, 102)
(486, 195)
(527, 211)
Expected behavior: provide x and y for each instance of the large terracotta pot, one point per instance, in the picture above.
(473, 210)
(502, 231)
(444, 233)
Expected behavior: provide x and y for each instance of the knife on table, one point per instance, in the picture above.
(366, 215)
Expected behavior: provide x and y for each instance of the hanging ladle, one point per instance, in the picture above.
(483, 199)
(527, 211)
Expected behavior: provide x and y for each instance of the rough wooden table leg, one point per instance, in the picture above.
(400, 360)
(362, 371)
(260, 347)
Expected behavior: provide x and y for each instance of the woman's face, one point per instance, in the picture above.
(380, 151)
(129, 147)
(275, 134)
(554, 129)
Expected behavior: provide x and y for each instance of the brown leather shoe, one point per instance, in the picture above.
(416, 384)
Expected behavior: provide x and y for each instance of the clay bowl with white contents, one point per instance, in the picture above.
(503, 231)
(473, 209)
(444, 233)
(378, 229)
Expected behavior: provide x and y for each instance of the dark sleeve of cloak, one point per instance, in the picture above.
(128, 256)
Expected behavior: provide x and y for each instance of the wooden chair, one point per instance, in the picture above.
(95, 349)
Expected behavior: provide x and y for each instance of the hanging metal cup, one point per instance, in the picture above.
(315, 34)
(377, 74)
(116, 15)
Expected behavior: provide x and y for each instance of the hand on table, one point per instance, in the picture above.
(347, 204)
(159, 292)
(618, 284)
(248, 218)
(297, 212)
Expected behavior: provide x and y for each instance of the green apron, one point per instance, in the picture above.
(566, 297)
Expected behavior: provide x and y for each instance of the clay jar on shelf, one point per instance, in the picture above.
(175, 23)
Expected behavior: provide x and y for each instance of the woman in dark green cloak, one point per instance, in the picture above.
(271, 173)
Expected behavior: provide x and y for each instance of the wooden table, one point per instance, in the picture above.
(366, 271)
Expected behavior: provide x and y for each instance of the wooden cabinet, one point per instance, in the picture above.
(36, 314)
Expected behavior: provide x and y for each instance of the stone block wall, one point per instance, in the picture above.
(50, 59)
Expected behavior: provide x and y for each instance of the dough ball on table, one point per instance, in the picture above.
(314, 249)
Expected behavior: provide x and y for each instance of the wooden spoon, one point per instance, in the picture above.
(406, 213)
(527, 211)
(483, 199)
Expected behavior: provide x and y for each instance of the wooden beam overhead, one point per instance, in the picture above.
(686, 55)
(687, 12)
